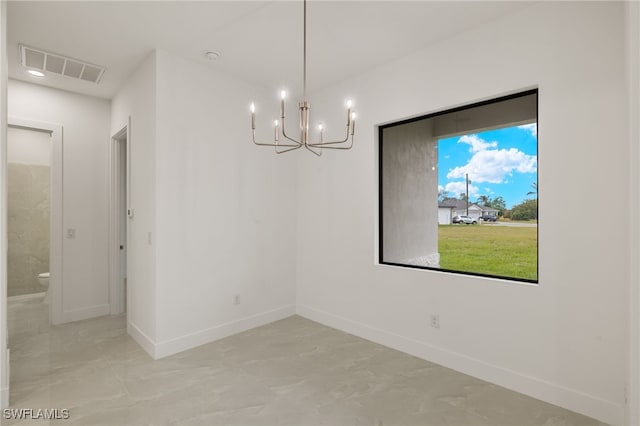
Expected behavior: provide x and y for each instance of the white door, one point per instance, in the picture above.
(118, 222)
(122, 215)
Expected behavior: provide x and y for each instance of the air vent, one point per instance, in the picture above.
(58, 64)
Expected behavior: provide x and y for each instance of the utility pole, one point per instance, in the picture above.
(467, 197)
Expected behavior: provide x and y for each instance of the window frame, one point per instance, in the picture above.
(382, 127)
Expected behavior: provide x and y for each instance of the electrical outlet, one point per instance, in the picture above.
(435, 321)
(236, 299)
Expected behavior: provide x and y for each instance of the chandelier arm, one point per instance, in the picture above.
(287, 150)
(334, 147)
(324, 144)
(284, 133)
(337, 147)
(271, 144)
(312, 150)
(277, 145)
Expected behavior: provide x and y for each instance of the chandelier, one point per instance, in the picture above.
(290, 143)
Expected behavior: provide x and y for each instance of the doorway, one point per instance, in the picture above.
(31, 154)
(28, 211)
(51, 135)
(119, 213)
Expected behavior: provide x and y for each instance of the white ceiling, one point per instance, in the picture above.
(259, 41)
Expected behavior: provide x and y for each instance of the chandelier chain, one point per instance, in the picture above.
(304, 54)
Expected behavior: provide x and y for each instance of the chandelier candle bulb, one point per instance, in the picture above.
(283, 95)
(253, 116)
(275, 130)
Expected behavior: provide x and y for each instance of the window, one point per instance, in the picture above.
(458, 190)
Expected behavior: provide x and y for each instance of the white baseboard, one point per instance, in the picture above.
(22, 297)
(4, 391)
(142, 339)
(571, 399)
(211, 334)
(4, 398)
(84, 313)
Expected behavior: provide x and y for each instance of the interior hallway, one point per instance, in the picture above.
(291, 372)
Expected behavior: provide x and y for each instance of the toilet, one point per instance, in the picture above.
(44, 282)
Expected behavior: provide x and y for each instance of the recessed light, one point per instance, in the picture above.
(36, 73)
(212, 56)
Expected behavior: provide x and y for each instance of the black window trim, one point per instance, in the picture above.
(436, 114)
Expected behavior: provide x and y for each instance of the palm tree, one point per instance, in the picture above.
(484, 200)
(534, 185)
(443, 194)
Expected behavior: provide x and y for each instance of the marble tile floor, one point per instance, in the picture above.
(290, 372)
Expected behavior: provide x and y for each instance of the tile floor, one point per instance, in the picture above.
(291, 372)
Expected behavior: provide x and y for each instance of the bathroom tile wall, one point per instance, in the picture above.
(28, 227)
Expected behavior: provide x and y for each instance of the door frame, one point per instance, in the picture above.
(56, 246)
(116, 289)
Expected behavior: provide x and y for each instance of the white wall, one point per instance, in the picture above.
(564, 340)
(4, 351)
(220, 211)
(30, 147)
(224, 209)
(137, 100)
(85, 122)
(633, 80)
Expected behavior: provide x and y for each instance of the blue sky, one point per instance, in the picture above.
(500, 162)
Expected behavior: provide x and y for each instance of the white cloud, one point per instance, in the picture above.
(533, 128)
(457, 188)
(477, 144)
(494, 165)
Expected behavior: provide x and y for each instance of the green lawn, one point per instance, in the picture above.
(489, 249)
